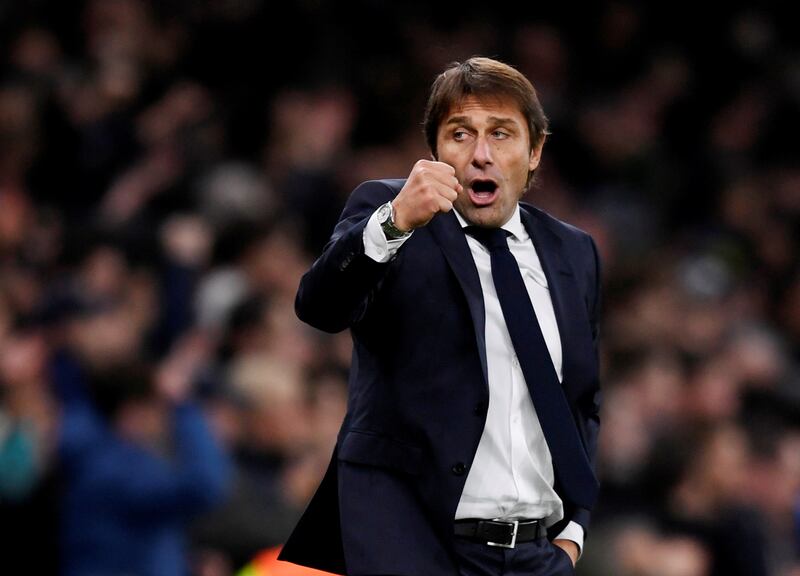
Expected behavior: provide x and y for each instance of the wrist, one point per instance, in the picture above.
(387, 218)
(399, 220)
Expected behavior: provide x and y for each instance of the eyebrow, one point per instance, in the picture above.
(493, 120)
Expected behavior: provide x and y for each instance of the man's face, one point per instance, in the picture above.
(488, 143)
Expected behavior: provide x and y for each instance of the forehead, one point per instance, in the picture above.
(476, 108)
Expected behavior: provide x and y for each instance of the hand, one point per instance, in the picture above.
(174, 376)
(432, 187)
(569, 547)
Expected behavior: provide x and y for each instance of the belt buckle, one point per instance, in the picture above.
(514, 524)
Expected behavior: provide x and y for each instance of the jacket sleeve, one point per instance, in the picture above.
(335, 292)
(594, 319)
(591, 411)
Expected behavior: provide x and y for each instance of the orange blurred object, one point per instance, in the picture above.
(267, 564)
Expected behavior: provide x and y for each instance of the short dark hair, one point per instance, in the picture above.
(483, 78)
(116, 386)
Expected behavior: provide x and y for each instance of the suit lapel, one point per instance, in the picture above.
(569, 309)
(448, 234)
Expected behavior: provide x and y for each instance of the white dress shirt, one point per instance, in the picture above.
(512, 473)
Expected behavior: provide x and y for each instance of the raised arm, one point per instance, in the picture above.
(335, 293)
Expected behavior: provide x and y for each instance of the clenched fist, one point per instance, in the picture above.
(431, 188)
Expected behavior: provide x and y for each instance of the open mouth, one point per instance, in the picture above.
(482, 192)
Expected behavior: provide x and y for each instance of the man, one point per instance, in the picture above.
(125, 504)
(472, 419)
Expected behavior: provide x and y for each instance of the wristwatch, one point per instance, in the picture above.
(385, 215)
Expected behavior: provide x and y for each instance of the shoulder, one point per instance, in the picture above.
(368, 195)
(577, 245)
(363, 201)
(390, 186)
(565, 231)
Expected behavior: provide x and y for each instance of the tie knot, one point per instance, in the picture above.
(492, 238)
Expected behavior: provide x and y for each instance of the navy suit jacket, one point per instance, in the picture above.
(418, 392)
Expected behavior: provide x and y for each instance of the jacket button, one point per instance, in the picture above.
(478, 410)
(459, 468)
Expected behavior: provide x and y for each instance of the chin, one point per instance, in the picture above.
(484, 217)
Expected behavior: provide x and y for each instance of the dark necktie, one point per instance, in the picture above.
(569, 457)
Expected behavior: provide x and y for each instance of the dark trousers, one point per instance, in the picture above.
(536, 558)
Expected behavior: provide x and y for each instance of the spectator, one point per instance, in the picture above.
(136, 469)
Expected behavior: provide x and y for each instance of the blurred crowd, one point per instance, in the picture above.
(168, 171)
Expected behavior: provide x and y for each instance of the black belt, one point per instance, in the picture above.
(503, 533)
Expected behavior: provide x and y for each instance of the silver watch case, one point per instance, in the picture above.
(386, 220)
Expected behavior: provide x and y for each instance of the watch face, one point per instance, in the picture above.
(384, 212)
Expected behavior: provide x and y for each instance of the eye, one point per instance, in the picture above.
(460, 135)
(500, 134)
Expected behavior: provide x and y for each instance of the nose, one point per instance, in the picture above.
(482, 154)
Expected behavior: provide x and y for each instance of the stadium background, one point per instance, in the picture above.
(169, 169)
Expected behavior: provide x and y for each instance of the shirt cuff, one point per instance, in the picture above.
(376, 245)
(574, 532)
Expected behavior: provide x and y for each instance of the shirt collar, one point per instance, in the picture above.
(513, 225)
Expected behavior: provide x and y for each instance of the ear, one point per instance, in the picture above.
(536, 155)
